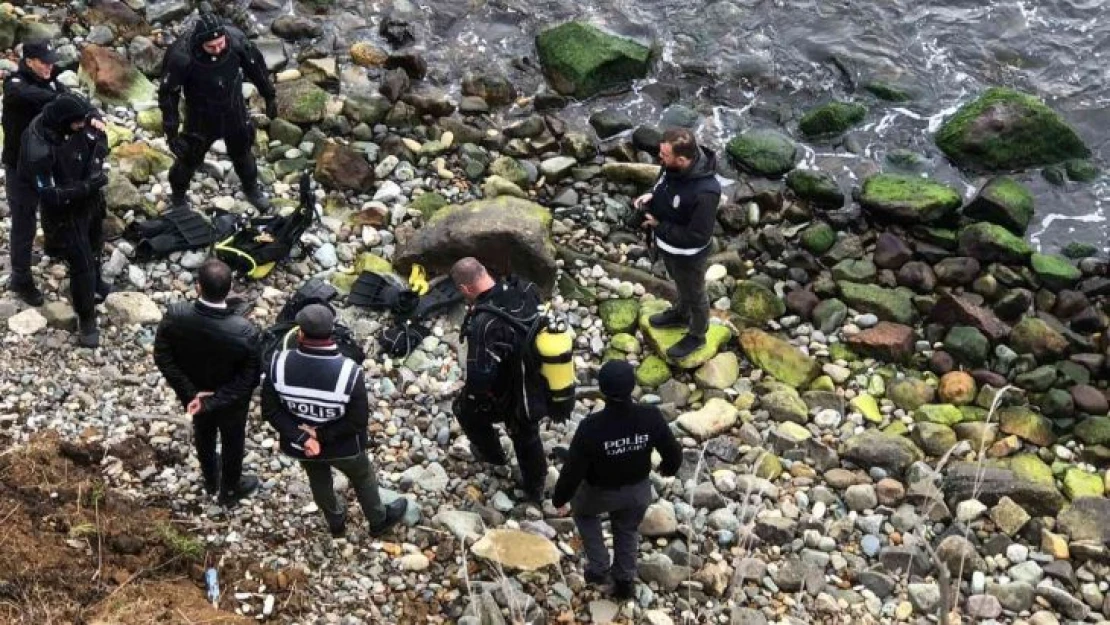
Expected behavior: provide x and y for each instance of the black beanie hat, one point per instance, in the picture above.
(616, 380)
(63, 111)
(208, 27)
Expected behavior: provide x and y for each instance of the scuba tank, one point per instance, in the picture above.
(554, 344)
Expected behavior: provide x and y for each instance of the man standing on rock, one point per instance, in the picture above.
(62, 157)
(606, 472)
(26, 92)
(209, 67)
(682, 210)
(315, 397)
(494, 388)
(209, 356)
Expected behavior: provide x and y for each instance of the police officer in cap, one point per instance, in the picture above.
(209, 66)
(316, 399)
(62, 159)
(26, 92)
(606, 472)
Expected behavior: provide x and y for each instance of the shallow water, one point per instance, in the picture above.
(743, 62)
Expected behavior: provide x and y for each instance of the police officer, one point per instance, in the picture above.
(681, 209)
(26, 92)
(209, 356)
(209, 66)
(61, 158)
(607, 472)
(316, 399)
(494, 391)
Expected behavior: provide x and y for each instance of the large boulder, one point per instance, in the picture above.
(989, 484)
(817, 187)
(908, 199)
(1055, 272)
(113, 79)
(888, 304)
(301, 101)
(989, 242)
(831, 119)
(1003, 201)
(640, 174)
(505, 233)
(764, 152)
(779, 358)
(340, 167)
(582, 60)
(1005, 130)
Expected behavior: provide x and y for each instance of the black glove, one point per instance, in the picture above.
(271, 109)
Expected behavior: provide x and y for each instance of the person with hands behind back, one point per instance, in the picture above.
(62, 157)
(316, 399)
(606, 472)
(209, 356)
(681, 209)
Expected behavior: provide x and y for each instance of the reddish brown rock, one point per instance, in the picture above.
(952, 310)
(340, 167)
(108, 70)
(886, 341)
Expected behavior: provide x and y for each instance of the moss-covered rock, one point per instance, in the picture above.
(285, 132)
(908, 199)
(867, 406)
(1054, 272)
(935, 439)
(661, 339)
(910, 393)
(831, 119)
(1005, 130)
(819, 188)
(888, 91)
(1079, 483)
(1003, 201)
(944, 414)
(785, 405)
(888, 304)
(818, 238)
(582, 60)
(881, 449)
(767, 466)
(987, 242)
(967, 344)
(1077, 250)
(113, 79)
(428, 204)
(859, 270)
(1026, 425)
(1081, 170)
(301, 101)
(764, 152)
(957, 388)
(571, 289)
(364, 110)
(652, 372)
(496, 186)
(619, 315)
(1034, 336)
(139, 161)
(1032, 469)
(1094, 430)
(120, 195)
(779, 358)
(625, 343)
(643, 175)
(755, 303)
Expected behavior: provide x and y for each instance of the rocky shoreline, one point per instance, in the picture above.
(898, 389)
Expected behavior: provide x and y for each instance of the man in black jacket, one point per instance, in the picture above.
(209, 66)
(682, 211)
(209, 356)
(26, 92)
(62, 157)
(315, 397)
(494, 387)
(607, 472)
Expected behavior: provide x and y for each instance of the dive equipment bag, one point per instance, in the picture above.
(283, 333)
(261, 242)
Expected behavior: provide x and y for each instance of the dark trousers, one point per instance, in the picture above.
(230, 427)
(688, 273)
(23, 203)
(626, 507)
(80, 235)
(362, 477)
(478, 426)
(202, 129)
